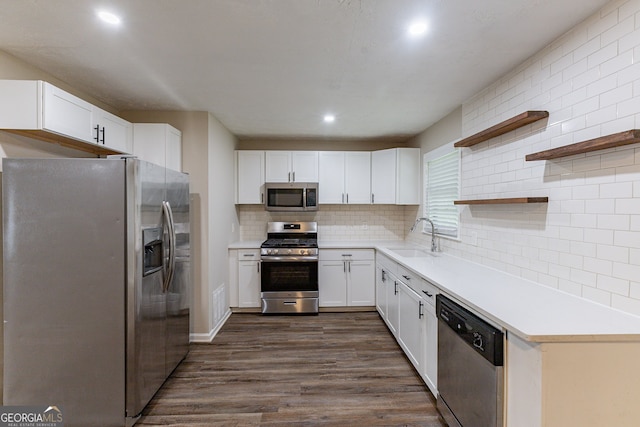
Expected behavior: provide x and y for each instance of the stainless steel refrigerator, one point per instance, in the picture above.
(96, 284)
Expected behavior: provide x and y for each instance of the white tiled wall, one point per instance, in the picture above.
(335, 222)
(586, 240)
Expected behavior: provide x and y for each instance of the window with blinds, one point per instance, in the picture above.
(441, 184)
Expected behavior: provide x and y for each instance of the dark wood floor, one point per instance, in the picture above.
(338, 369)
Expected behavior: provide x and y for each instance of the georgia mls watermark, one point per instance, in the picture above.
(31, 416)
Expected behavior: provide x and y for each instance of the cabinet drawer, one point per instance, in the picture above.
(409, 277)
(346, 255)
(428, 291)
(387, 263)
(248, 255)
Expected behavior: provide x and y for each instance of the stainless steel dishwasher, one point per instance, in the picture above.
(470, 367)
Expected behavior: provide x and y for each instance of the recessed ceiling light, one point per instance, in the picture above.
(417, 28)
(109, 17)
(329, 118)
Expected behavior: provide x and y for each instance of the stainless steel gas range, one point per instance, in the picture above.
(289, 258)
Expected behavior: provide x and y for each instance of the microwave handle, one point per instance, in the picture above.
(304, 197)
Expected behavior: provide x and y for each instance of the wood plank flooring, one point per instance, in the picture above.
(334, 369)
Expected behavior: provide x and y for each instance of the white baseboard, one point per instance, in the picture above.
(207, 338)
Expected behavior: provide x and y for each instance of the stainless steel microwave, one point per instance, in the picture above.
(291, 196)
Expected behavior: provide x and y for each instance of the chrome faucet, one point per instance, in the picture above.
(434, 247)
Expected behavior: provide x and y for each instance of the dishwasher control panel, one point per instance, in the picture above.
(477, 333)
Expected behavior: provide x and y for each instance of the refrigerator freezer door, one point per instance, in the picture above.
(64, 302)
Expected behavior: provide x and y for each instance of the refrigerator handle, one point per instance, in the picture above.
(168, 215)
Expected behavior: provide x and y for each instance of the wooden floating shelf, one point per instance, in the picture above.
(601, 143)
(501, 128)
(506, 201)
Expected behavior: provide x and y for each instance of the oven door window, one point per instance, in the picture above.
(289, 276)
(285, 197)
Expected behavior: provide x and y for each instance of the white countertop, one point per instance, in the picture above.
(532, 311)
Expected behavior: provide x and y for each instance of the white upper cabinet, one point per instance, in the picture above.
(249, 177)
(111, 131)
(291, 166)
(331, 174)
(66, 114)
(357, 177)
(345, 177)
(158, 143)
(44, 111)
(395, 176)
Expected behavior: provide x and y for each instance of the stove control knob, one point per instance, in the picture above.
(275, 251)
(304, 252)
(289, 252)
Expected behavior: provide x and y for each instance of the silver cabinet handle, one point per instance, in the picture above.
(395, 289)
(406, 277)
(294, 177)
(430, 295)
(384, 276)
(342, 197)
(420, 312)
(344, 266)
(372, 198)
(349, 266)
(258, 265)
(261, 197)
(347, 198)
(249, 255)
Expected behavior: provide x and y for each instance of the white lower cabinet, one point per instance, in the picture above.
(393, 305)
(411, 325)
(346, 277)
(430, 363)
(406, 302)
(247, 279)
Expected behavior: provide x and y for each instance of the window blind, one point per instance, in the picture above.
(441, 189)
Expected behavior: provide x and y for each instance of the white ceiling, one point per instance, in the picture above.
(273, 68)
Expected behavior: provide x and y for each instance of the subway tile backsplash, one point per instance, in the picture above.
(586, 240)
(335, 222)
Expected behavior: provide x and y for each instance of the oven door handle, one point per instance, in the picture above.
(290, 259)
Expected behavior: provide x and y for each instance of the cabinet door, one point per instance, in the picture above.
(408, 176)
(410, 329)
(304, 166)
(112, 131)
(249, 283)
(392, 304)
(332, 283)
(249, 177)
(66, 114)
(383, 177)
(358, 177)
(430, 368)
(361, 289)
(158, 143)
(382, 281)
(331, 177)
(278, 166)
